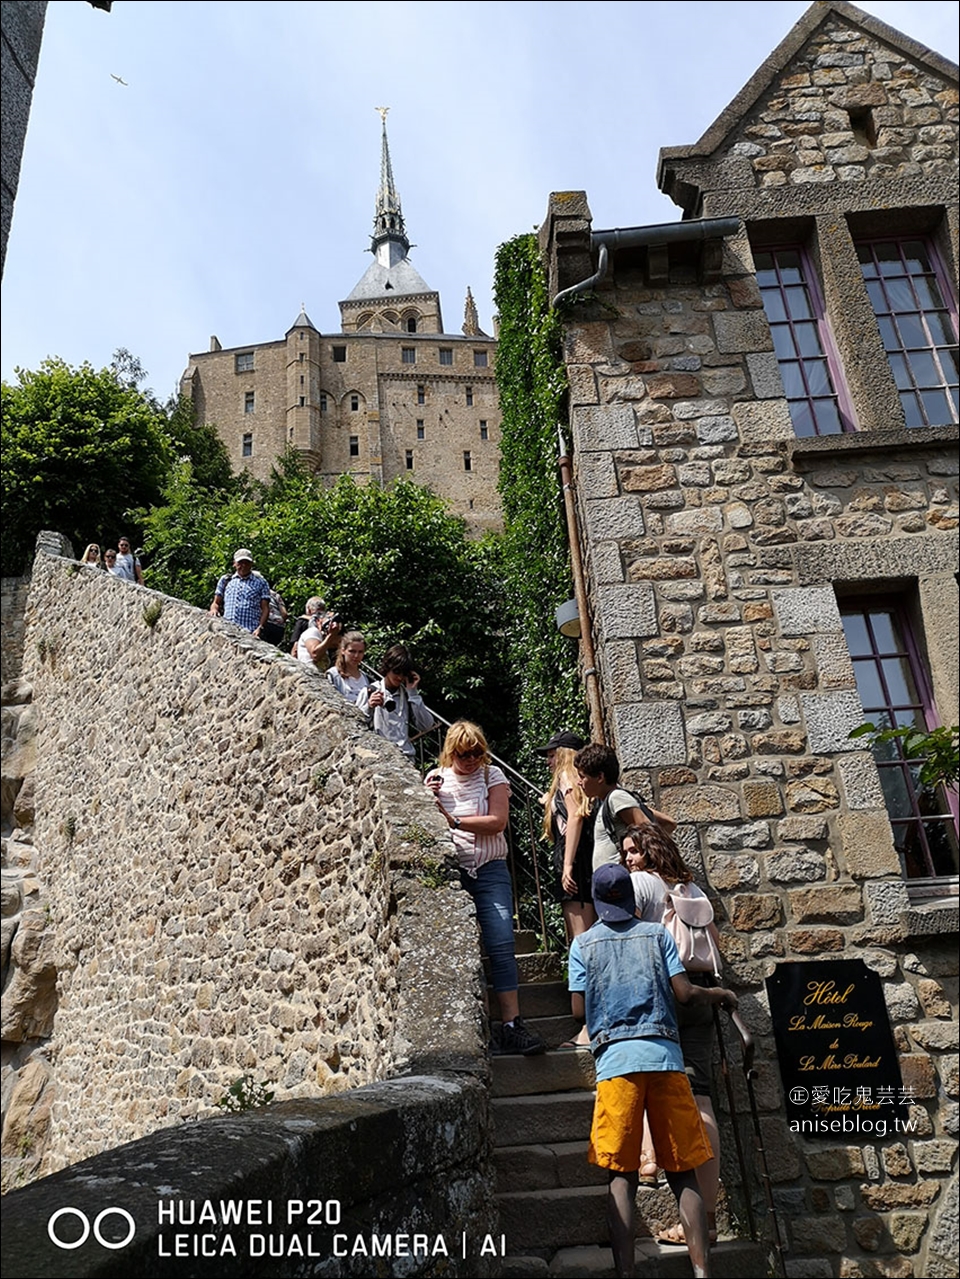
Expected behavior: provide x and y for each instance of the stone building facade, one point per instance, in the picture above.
(764, 426)
(390, 396)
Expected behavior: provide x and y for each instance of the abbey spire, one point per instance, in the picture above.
(389, 243)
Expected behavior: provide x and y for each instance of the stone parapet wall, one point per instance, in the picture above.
(390, 1178)
(716, 548)
(227, 852)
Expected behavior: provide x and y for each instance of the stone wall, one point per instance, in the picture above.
(390, 1178)
(227, 854)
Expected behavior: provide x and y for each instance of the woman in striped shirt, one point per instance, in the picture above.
(474, 797)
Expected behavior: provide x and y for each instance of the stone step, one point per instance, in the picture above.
(529, 1120)
(540, 965)
(729, 1259)
(552, 1072)
(544, 999)
(546, 1167)
(550, 1219)
(525, 941)
(553, 1030)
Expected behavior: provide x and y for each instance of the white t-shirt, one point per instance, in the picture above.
(469, 796)
(604, 849)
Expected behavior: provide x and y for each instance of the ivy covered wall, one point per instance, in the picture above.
(533, 393)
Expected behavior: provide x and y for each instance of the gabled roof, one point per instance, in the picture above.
(766, 75)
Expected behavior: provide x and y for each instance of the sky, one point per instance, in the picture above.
(232, 177)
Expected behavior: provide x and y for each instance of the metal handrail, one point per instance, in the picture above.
(529, 858)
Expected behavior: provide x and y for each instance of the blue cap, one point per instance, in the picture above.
(613, 894)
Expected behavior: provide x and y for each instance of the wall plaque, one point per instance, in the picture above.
(838, 1063)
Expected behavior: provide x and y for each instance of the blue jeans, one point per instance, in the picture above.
(492, 895)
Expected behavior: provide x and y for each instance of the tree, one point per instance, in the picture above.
(394, 562)
(80, 448)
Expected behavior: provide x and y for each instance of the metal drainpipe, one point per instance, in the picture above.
(605, 241)
(637, 236)
(590, 676)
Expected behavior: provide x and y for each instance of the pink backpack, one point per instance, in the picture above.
(687, 916)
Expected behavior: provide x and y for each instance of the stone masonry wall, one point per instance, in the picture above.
(226, 851)
(714, 543)
(803, 132)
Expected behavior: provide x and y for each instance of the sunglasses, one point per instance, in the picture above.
(476, 753)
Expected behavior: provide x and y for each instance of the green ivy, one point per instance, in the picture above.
(536, 558)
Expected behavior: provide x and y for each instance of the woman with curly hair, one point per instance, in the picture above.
(474, 797)
(657, 866)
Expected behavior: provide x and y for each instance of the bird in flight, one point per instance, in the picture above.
(118, 80)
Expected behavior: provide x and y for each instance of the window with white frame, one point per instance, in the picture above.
(243, 362)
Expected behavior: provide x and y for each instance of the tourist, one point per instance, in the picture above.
(110, 562)
(317, 644)
(347, 675)
(656, 867)
(474, 797)
(242, 597)
(598, 771)
(91, 556)
(394, 699)
(127, 565)
(625, 974)
(311, 611)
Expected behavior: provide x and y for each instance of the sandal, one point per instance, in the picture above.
(674, 1237)
(649, 1173)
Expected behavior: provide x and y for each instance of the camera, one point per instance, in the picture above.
(389, 704)
(330, 620)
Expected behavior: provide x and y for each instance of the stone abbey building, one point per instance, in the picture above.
(390, 395)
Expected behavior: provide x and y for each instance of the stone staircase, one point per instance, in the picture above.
(552, 1202)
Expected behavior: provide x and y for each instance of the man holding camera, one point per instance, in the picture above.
(318, 644)
(395, 699)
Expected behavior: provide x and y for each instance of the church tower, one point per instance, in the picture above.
(391, 295)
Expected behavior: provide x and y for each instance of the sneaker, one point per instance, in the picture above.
(517, 1039)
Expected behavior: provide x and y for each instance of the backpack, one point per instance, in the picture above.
(687, 916)
(608, 818)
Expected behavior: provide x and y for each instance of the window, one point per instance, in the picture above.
(408, 354)
(249, 400)
(893, 688)
(916, 327)
(301, 353)
(809, 367)
(354, 445)
(409, 459)
(484, 433)
(323, 401)
(354, 403)
(421, 395)
(339, 354)
(301, 379)
(421, 433)
(467, 460)
(411, 324)
(303, 400)
(469, 397)
(243, 362)
(446, 355)
(246, 448)
(479, 359)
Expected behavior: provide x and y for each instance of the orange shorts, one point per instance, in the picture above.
(675, 1123)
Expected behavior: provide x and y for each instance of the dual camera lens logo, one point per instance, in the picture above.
(74, 1215)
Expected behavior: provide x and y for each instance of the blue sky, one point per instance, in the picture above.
(233, 177)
